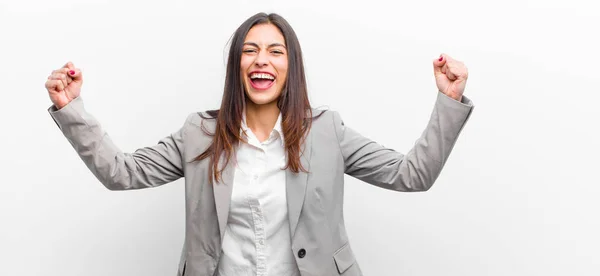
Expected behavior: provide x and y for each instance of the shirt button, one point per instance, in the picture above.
(261, 242)
(301, 253)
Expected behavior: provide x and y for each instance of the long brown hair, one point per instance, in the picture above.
(293, 102)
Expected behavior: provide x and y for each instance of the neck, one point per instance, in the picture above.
(261, 119)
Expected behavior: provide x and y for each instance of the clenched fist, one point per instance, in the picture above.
(450, 76)
(64, 85)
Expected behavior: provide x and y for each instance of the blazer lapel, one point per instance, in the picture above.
(296, 186)
(222, 192)
(295, 189)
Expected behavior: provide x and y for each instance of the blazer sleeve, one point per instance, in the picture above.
(117, 170)
(416, 170)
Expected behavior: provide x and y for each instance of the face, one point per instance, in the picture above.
(264, 64)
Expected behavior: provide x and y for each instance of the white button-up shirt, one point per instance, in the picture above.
(257, 237)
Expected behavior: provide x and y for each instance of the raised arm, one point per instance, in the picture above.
(117, 170)
(418, 169)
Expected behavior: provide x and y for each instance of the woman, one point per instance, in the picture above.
(264, 174)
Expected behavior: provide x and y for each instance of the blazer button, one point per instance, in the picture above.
(301, 253)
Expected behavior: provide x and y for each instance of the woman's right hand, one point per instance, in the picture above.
(64, 85)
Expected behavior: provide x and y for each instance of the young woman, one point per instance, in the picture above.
(264, 174)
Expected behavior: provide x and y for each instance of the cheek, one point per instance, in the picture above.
(282, 68)
(245, 64)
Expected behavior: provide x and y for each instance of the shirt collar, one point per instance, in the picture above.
(277, 128)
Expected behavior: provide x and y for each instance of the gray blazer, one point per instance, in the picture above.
(315, 199)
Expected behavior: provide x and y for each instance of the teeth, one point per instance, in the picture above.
(261, 76)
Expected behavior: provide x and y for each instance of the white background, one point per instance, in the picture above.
(518, 196)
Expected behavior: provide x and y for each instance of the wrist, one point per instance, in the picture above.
(452, 95)
(59, 106)
(455, 97)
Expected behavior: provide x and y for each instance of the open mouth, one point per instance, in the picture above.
(261, 80)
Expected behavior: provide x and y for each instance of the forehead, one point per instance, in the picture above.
(265, 34)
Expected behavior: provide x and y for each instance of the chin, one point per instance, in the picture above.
(262, 97)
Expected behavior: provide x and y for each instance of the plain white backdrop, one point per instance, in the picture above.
(518, 196)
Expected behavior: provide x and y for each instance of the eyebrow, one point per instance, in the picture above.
(270, 45)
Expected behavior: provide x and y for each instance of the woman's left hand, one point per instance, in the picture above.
(450, 76)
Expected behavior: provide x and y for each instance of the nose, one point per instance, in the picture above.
(261, 59)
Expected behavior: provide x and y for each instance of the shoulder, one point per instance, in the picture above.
(326, 121)
(200, 122)
(324, 116)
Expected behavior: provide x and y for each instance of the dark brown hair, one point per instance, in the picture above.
(293, 102)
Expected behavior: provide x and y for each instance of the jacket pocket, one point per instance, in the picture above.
(344, 258)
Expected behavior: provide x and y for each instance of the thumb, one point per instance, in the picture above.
(73, 72)
(76, 75)
(438, 63)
